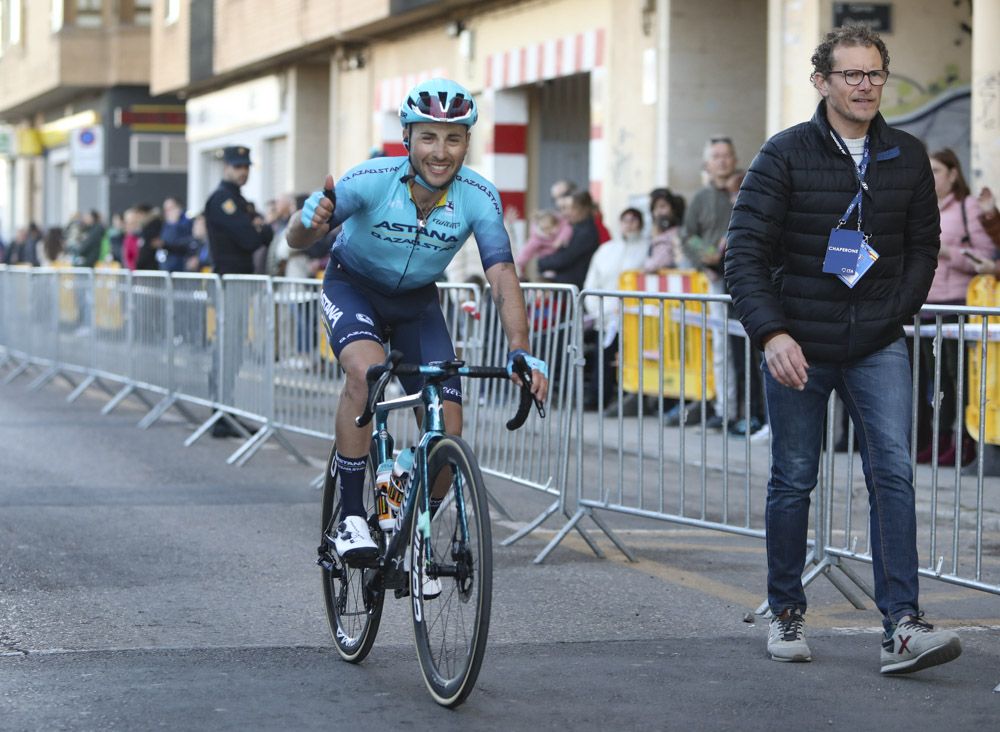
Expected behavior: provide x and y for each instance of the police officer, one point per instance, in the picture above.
(234, 230)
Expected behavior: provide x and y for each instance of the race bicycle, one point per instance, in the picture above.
(448, 549)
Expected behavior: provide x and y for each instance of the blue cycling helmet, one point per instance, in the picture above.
(438, 100)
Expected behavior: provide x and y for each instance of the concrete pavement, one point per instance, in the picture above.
(145, 585)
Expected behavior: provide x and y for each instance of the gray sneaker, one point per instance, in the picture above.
(915, 645)
(786, 638)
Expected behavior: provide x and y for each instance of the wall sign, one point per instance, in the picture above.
(877, 16)
(86, 151)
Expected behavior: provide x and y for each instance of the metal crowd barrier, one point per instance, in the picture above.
(627, 462)
(196, 357)
(307, 386)
(953, 541)
(17, 314)
(535, 455)
(252, 347)
(635, 466)
(76, 320)
(246, 369)
(113, 333)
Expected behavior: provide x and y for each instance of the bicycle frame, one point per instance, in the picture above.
(432, 429)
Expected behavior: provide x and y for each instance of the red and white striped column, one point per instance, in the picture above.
(505, 160)
(563, 56)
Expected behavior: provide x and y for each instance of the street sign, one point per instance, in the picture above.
(86, 150)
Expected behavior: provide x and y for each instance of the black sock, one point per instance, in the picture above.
(352, 485)
(435, 505)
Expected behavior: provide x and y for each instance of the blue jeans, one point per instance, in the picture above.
(877, 391)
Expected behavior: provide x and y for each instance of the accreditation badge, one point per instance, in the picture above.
(229, 206)
(842, 251)
(867, 256)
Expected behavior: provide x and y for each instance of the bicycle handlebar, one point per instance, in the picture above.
(524, 407)
(378, 376)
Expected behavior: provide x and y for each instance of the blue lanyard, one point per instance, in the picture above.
(860, 170)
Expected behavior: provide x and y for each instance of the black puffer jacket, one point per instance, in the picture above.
(795, 191)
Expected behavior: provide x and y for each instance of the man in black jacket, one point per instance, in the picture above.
(832, 248)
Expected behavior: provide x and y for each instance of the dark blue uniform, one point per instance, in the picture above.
(232, 236)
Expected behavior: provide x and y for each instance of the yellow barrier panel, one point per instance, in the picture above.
(983, 292)
(69, 313)
(109, 298)
(210, 326)
(662, 317)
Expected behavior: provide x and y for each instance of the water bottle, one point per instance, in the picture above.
(400, 478)
(383, 484)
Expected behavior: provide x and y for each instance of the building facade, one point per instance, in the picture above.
(616, 95)
(84, 131)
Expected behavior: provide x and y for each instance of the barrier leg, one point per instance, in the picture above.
(285, 443)
(44, 378)
(613, 537)
(80, 388)
(118, 398)
(156, 412)
(24, 366)
(534, 524)
(205, 427)
(853, 576)
(495, 502)
(247, 450)
(557, 539)
(825, 568)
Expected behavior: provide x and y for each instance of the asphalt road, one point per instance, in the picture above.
(147, 585)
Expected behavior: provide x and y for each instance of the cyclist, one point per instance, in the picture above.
(404, 219)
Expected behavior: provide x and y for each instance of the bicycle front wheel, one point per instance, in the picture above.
(452, 554)
(353, 611)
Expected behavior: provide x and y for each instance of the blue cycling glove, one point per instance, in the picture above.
(533, 363)
(311, 204)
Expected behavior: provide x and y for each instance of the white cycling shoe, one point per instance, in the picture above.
(353, 541)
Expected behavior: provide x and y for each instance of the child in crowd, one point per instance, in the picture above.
(549, 233)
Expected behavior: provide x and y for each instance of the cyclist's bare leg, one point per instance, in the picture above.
(353, 441)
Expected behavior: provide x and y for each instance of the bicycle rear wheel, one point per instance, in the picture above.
(353, 612)
(455, 547)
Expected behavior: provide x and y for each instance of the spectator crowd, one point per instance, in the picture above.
(569, 243)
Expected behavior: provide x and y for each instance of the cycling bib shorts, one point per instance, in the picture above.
(413, 322)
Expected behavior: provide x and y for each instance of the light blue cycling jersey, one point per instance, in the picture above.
(382, 240)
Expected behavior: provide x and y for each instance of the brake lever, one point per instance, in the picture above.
(524, 371)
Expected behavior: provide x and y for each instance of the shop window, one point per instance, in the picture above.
(142, 12)
(158, 154)
(89, 13)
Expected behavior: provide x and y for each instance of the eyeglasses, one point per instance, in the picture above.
(878, 77)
